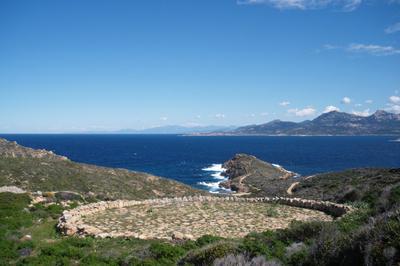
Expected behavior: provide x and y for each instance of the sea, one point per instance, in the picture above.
(198, 160)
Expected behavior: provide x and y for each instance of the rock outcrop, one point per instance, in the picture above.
(12, 189)
(11, 149)
(247, 174)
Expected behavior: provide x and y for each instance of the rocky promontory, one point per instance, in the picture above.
(253, 177)
(248, 174)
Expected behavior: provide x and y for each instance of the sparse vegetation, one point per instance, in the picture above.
(368, 236)
(36, 170)
(354, 239)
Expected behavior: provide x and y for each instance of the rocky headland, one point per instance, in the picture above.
(248, 175)
(252, 177)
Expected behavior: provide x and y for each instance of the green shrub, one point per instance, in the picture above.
(300, 231)
(78, 242)
(328, 246)
(66, 195)
(166, 251)
(44, 260)
(189, 245)
(41, 211)
(208, 254)
(13, 216)
(371, 197)
(60, 251)
(8, 250)
(93, 259)
(355, 219)
(266, 244)
(271, 211)
(299, 258)
(394, 197)
(12, 211)
(255, 244)
(207, 239)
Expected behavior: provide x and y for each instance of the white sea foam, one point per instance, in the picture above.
(296, 175)
(281, 168)
(217, 170)
(214, 168)
(214, 187)
(218, 176)
(209, 184)
(277, 165)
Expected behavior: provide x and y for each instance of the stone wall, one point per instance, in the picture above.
(71, 222)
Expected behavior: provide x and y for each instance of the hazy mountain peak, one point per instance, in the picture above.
(331, 123)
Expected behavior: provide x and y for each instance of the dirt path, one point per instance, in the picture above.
(242, 178)
(292, 186)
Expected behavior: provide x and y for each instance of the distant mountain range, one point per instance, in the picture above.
(174, 129)
(332, 123)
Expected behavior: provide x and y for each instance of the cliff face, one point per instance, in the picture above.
(247, 174)
(41, 170)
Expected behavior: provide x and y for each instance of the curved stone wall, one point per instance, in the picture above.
(71, 222)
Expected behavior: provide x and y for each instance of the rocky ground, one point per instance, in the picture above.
(191, 220)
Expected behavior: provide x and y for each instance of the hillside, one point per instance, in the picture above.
(332, 123)
(366, 184)
(41, 170)
(258, 178)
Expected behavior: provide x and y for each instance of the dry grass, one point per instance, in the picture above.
(194, 219)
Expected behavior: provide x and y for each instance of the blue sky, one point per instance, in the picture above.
(70, 66)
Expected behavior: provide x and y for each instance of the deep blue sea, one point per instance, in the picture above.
(196, 160)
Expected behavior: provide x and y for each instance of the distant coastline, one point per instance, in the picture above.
(334, 123)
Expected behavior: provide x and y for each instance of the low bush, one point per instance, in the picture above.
(243, 260)
(300, 231)
(350, 222)
(209, 253)
(13, 216)
(207, 239)
(266, 244)
(166, 252)
(42, 211)
(394, 197)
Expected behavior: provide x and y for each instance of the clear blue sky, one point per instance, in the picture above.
(77, 65)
